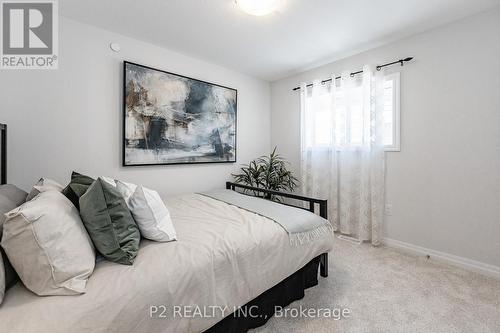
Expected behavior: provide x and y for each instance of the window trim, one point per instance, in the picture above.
(396, 112)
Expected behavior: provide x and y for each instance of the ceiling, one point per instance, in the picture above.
(300, 35)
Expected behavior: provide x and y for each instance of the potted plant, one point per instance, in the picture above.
(268, 172)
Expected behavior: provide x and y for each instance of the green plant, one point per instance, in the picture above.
(268, 172)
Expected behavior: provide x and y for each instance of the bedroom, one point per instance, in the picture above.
(177, 97)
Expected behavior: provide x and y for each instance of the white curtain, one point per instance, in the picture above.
(342, 153)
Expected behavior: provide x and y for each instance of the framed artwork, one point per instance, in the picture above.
(173, 119)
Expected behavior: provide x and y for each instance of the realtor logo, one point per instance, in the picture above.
(29, 34)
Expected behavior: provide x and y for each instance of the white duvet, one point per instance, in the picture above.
(224, 257)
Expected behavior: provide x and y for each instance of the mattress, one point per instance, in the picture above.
(224, 257)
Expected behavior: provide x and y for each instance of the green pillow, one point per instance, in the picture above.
(109, 223)
(77, 187)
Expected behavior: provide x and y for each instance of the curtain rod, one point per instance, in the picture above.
(379, 67)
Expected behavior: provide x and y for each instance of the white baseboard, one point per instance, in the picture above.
(469, 264)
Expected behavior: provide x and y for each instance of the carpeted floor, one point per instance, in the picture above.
(389, 291)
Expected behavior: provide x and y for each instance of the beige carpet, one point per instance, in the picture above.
(390, 291)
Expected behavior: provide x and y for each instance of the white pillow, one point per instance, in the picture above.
(48, 246)
(44, 184)
(149, 212)
(109, 180)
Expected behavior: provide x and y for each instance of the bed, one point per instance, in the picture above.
(228, 270)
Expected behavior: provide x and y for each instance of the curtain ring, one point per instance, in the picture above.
(379, 68)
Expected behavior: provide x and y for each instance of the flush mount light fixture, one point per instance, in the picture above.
(258, 7)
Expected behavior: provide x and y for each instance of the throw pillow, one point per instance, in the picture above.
(109, 223)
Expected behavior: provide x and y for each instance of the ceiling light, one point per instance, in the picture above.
(258, 7)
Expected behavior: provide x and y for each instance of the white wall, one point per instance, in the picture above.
(71, 118)
(445, 183)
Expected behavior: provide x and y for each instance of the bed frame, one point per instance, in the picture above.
(263, 307)
(322, 203)
(3, 154)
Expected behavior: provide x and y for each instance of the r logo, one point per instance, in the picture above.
(27, 28)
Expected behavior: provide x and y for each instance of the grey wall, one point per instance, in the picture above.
(71, 118)
(445, 183)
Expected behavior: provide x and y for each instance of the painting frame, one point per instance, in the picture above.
(124, 118)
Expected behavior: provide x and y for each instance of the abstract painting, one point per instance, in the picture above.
(173, 119)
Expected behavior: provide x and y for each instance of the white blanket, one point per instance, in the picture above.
(224, 256)
(301, 225)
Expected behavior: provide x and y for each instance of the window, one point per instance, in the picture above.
(349, 123)
(392, 113)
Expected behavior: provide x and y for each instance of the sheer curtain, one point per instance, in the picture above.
(342, 153)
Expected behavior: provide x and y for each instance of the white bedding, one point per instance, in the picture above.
(224, 256)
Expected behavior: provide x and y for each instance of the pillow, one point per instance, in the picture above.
(13, 193)
(10, 198)
(44, 184)
(149, 212)
(48, 246)
(2, 280)
(10, 276)
(76, 188)
(109, 180)
(109, 223)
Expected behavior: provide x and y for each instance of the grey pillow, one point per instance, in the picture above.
(109, 223)
(77, 187)
(2, 280)
(10, 198)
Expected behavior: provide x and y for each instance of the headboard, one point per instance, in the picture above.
(3, 154)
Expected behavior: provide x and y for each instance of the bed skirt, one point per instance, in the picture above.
(259, 310)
